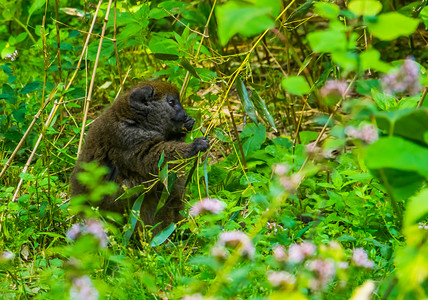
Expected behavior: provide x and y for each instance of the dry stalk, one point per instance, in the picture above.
(27, 164)
(91, 86)
(54, 108)
(115, 42)
(24, 137)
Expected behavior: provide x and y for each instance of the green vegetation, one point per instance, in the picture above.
(317, 173)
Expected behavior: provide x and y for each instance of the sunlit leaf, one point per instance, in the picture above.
(365, 7)
(391, 25)
(245, 100)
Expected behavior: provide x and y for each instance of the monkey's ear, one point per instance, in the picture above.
(140, 96)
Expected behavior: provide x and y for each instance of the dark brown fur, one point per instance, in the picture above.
(130, 137)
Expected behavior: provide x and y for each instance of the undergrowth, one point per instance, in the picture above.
(315, 183)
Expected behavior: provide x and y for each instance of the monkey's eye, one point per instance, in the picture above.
(171, 102)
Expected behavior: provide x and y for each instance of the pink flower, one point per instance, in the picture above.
(367, 134)
(281, 279)
(299, 252)
(12, 56)
(291, 183)
(6, 256)
(281, 169)
(91, 226)
(360, 258)
(234, 239)
(83, 289)
(207, 205)
(274, 227)
(323, 270)
(334, 88)
(193, 297)
(219, 252)
(279, 253)
(405, 78)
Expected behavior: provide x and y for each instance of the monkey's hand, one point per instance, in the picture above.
(201, 144)
(188, 123)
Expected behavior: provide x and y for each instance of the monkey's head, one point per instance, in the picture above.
(156, 105)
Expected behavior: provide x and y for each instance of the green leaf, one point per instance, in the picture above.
(32, 87)
(365, 7)
(400, 165)
(163, 236)
(186, 64)
(397, 153)
(132, 191)
(7, 69)
(327, 10)
(133, 218)
(328, 40)
(416, 208)
(168, 182)
(254, 178)
(162, 45)
(424, 16)
(221, 135)
(245, 100)
(407, 123)
(238, 17)
(370, 59)
(36, 5)
(391, 25)
(384, 101)
(253, 137)
(262, 109)
(161, 159)
(296, 85)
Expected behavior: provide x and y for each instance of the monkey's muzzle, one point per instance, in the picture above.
(188, 123)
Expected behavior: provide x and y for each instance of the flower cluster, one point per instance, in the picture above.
(423, 226)
(323, 270)
(233, 239)
(367, 134)
(6, 256)
(291, 183)
(83, 289)
(12, 56)
(406, 78)
(334, 89)
(299, 252)
(207, 205)
(274, 227)
(282, 279)
(360, 258)
(317, 266)
(92, 227)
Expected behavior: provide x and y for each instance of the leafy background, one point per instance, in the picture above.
(316, 115)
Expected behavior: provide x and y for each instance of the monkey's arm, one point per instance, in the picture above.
(172, 150)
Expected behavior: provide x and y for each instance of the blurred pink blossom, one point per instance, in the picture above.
(281, 279)
(299, 252)
(281, 169)
(207, 205)
(12, 56)
(291, 183)
(234, 239)
(279, 253)
(193, 297)
(360, 258)
(334, 88)
(405, 78)
(323, 270)
(83, 289)
(6, 256)
(368, 134)
(91, 226)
